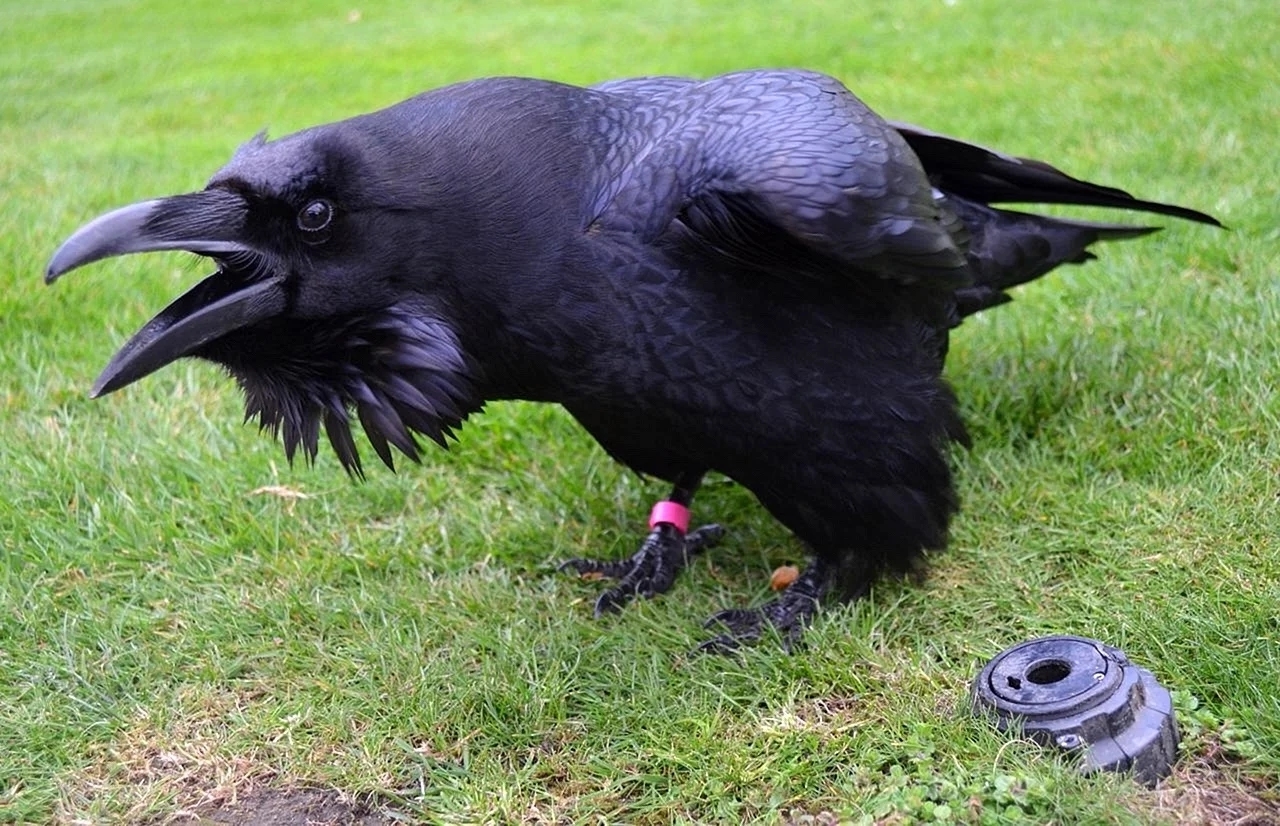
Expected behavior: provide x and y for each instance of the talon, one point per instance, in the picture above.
(591, 569)
(728, 617)
(610, 602)
(708, 536)
(722, 644)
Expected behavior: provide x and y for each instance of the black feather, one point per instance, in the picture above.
(990, 177)
(338, 428)
(299, 375)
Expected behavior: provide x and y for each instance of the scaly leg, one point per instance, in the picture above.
(665, 551)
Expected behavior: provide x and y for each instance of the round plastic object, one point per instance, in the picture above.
(1080, 695)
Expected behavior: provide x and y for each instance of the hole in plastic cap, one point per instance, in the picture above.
(1049, 671)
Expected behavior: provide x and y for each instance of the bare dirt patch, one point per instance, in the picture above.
(292, 807)
(188, 768)
(168, 762)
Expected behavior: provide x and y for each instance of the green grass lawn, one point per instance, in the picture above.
(185, 618)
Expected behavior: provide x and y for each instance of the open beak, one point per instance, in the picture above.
(207, 223)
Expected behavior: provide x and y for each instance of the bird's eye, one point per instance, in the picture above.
(315, 216)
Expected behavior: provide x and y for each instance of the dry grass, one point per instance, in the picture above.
(185, 769)
(1210, 789)
(179, 764)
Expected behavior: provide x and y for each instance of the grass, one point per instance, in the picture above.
(185, 618)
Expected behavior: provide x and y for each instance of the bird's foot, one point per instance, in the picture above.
(649, 571)
(789, 615)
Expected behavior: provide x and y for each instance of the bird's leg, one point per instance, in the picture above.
(665, 551)
(790, 613)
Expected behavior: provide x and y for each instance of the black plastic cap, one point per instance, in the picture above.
(1080, 695)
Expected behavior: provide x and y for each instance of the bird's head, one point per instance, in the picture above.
(321, 304)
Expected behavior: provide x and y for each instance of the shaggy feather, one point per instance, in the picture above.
(401, 373)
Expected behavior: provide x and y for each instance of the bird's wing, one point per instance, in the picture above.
(770, 168)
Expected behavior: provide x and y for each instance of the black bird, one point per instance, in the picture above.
(753, 274)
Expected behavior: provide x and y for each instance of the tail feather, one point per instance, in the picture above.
(1007, 248)
(1010, 248)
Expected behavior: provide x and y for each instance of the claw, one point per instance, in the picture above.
(610, 602)
(708, 536)
(594, 568)
(728, 617)
(721, 644)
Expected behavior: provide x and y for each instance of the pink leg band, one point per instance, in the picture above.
(671, 513)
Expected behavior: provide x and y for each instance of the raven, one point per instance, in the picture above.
(752, 274)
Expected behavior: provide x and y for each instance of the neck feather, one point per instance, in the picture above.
(401, 372)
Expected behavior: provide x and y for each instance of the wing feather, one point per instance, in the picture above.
(786, 171)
